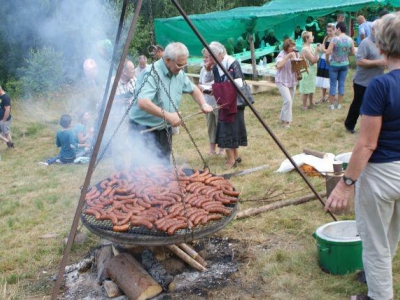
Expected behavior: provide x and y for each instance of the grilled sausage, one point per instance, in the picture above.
(121, 228)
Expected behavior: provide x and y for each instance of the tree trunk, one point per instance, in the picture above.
(131, 278)
(276, 205)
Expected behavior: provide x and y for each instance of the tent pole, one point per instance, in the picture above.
(267, 128)
(253, 57)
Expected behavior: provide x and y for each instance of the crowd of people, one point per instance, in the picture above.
(327, 66)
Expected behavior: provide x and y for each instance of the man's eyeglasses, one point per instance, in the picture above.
(178, 66)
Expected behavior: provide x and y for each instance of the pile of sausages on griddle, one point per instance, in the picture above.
(159, 199)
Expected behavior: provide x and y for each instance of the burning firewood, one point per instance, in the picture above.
(157, 271)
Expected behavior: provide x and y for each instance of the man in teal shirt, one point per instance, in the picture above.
(165, 84)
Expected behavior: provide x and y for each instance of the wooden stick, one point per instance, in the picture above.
(255, 211)
(193, 254)
(184, 119)
(186, 258)
(314, 153)
(244, 172)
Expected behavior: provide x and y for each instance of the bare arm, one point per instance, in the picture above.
(352, 49)
(309, 56)
(198, 96)
(365, 146)
(281, 64)
(368, 63)
(6, 113)
(148, 106)
(323, 49)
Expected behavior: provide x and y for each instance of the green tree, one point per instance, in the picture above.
(43, 71)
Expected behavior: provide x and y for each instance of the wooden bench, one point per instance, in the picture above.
(255, 86)
(194, 77)
(260, 86)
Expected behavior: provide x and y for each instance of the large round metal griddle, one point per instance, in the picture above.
(138, 235)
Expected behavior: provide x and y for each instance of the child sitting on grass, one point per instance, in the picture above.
(83, 136)
(66, 140)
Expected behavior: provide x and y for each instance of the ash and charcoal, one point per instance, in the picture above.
(80, 280)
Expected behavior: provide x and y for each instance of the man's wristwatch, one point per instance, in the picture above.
(348, 181)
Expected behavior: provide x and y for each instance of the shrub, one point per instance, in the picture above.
(14, 88)
(44, 70)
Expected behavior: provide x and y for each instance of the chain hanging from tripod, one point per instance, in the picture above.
(181, 118)
(152, 49)
(169, 137)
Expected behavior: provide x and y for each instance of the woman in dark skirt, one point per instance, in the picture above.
(322, 79)
(231, 130)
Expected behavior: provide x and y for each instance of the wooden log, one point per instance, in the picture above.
(157, 271)
(131, 278)
(102, 257)
(193, 254)
(255, 211)
(186, 258)
(315, 153)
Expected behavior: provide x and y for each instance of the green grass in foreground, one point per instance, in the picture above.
(281, 258)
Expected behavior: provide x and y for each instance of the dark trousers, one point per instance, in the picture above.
(354, 110)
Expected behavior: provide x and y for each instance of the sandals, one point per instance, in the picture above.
(322, 100)
(239, 160)
(230, 166)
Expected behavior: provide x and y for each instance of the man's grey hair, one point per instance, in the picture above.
(175, 50)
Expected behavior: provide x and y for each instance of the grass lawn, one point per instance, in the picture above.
(38, 203)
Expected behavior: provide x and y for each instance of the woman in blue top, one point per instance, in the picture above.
(337, 56)
(375, 165)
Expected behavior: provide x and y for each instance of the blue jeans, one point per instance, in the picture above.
(337, 74)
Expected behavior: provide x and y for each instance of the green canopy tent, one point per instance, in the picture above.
(281, 15)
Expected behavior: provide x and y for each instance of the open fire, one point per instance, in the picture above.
(86, 279)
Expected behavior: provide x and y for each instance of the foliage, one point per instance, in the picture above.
(372, 12)
(152, 9)
(73, 27)
(43, 71)
(14, 88)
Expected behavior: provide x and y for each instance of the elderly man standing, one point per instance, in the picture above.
(124, 94)
(5, 118)
(370, 64)
(159, 98)
(142, 64)
(364, 29)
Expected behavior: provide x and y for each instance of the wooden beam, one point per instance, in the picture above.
(255, 211)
